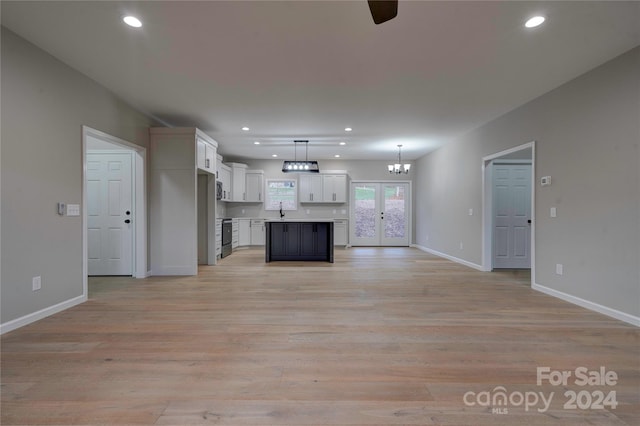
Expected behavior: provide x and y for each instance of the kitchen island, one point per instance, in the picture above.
(308, 240)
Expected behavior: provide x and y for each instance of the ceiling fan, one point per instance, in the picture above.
(383, 10)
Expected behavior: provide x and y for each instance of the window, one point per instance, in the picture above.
(281, 192)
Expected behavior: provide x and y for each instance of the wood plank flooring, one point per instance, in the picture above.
(383, 336)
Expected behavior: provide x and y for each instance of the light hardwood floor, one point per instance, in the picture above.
(382, 336)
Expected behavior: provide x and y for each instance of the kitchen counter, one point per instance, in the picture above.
(299, 240)
(302, 220)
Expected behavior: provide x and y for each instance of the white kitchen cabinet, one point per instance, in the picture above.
(340, 232)
(218, 237)
(321, 188)
(238, 182)
(173, 201)
(257, 232)
(235, 233)
(334, 188)
(311, 188)
(224, 176)
(205, 156)
(244, 232)
(254, 185)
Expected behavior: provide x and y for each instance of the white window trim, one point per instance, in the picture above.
(267, 196)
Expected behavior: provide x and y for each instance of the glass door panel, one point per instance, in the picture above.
(366, 230)
(395, 222)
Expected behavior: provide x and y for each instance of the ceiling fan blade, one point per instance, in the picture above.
(383, 10)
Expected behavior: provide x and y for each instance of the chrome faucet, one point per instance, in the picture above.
(281, 212)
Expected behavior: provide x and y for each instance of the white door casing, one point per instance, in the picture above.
(109, 207)
(511, 215)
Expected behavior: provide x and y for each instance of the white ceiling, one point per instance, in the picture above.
(307, 69)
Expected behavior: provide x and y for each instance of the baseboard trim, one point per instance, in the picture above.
(610, 312)
(42, 313)
(449, 257)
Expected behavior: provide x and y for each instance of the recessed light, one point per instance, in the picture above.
(348, 129)
(245, 128)
(343, 143)
(337, 155)
(132, 21)
(256, 143)
(274, 155)
(534, 21)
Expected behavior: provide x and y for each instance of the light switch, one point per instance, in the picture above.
(559, 269)
(470, 212)
(552, 212)
(73, 209)
(545, 181)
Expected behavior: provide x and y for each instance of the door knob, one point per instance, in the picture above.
(127, 221)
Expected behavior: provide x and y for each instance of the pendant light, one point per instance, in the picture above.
(398, 167)
(296, 166)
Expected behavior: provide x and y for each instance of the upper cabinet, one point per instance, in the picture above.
(205, 155)
(334, 188)
(223, 175)
(311, 188)
(321, 188)
(238, 181)
(239, 184)
(254, 185)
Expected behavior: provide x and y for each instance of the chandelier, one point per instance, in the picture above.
(398, 167)
(296, 166)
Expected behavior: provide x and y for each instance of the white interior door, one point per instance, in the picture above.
(511, 215)
(109, 215)
(380, 214)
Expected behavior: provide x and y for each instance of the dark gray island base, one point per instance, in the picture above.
(299, 240)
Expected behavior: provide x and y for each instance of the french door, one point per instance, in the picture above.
(380, 214)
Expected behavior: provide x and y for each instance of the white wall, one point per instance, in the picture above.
(44, 105)
(357, 170)
(587, 134)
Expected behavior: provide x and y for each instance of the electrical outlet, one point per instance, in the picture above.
(36, 283)
(553, 212)
(344, 211)
(559, 269)
(470, 212)
(308, 211)
(242, 211)
(427, 238)
(461, 246)
(334, 211)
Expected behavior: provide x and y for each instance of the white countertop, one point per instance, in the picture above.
(302, 220)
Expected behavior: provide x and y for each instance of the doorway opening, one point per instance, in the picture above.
(114, 230)
(508, 228)
(380, 213)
